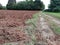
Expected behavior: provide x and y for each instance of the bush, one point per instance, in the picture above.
(39, 5)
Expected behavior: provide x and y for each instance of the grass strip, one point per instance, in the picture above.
(55, 28)
(56, 15)
(30, 29)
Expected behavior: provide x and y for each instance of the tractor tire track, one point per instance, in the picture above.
(56, 23)
(53, 19)
(46, 33)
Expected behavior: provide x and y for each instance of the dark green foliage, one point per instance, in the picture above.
(30, 5)
(1, 7)
(21, 5)
(26, 5)
(39, 5)
(11, 1)
(55, 6)
(26, 0)
(11, 4)
(4, 8)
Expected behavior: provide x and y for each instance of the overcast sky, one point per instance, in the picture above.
(4, 2)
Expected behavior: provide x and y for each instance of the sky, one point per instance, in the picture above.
(46, 2)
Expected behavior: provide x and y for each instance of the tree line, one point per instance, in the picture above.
(54, 6)
(25, 5)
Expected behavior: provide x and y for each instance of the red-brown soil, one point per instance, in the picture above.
(10, 20)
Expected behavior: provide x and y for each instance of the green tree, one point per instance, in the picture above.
(11, 1)
(54, 5)
(26, 0)
(37, 0)
(25, 5)
(1, 6)
(11, 4)
(29, 0)
(39, 5)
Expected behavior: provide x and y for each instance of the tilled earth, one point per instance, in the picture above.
(12, 25)
(14, 30)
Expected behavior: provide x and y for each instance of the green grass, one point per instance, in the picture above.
(53, 26)
(31, 27)
(57, 15)
(33, 21)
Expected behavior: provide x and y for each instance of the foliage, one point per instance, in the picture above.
(54, 14)
(4, 8)
(21, 5)
(26, 5)
(29, 5)
(11, 4)
(11, 1)
(54, 6)
(1, 6)
(39, 5)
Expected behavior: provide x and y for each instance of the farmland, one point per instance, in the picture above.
(28, 28)
(12, 25)
(30, 22)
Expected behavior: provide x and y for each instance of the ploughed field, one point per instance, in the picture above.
(11, 25)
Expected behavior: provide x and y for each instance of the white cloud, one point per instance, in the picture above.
(4, 2)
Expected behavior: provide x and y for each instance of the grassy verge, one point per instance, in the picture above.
(31, 27)
(56, 15)
(53, 26)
